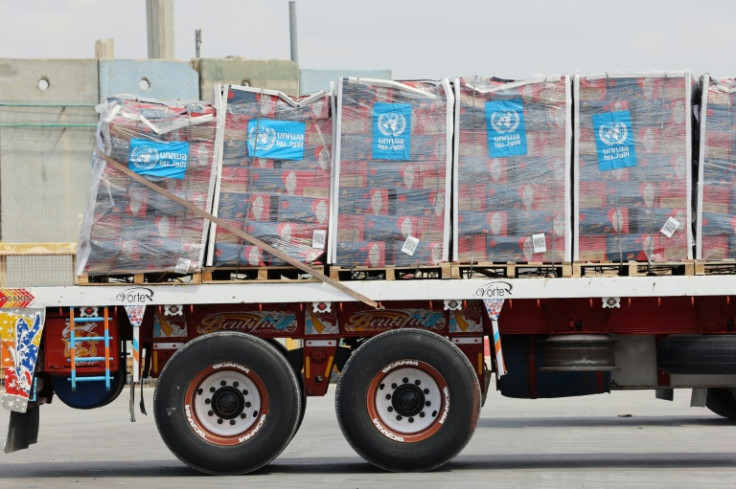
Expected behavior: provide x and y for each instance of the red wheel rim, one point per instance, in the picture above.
(226, 404)
(408, 401)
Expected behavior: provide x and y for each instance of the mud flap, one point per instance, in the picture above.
(22, 430)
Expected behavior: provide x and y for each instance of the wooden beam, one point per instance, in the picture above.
(32, 249)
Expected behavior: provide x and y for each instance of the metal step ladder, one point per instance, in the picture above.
(73, 340)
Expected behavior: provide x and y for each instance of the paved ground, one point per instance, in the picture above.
(624, 439)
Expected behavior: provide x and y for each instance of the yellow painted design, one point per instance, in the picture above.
(316, 322)
(328, 370)
(461, 322)
(166, 328)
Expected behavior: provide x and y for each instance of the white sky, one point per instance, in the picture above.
(413, 38)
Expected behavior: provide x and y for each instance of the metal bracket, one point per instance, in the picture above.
(453, 305)
(321, 307)
(611, 302)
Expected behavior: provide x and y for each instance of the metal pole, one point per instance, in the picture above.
(197, 42)
(292, 32)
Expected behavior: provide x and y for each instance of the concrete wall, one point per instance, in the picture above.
(157, 79)
(282, 75)
(47, 134)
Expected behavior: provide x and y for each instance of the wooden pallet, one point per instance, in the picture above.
(720, 267)
(441, 271)
(215, 275)
(512, 270)
(140, 278)
(632, 268)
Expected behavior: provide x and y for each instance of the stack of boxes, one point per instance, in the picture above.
(129, 228)
(632, 167)
(512, 173)
(384, 199)
(392, 182)
(716, 222)
(275, 181)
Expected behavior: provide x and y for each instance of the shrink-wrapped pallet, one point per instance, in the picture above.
(632, 167)
(512, 170)
(275, 176)
(392, 176)
(716, 190)
(129, 228)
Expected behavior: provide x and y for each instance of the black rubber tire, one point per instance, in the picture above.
(722, 402)
(284, 351)
(360, 392)
(697, 354)
(179, 403)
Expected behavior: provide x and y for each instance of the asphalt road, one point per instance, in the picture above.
(624, 439)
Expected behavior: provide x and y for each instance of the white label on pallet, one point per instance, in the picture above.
(670, 227)
(318, 239)
(182, 265)
(540, 244)
(410, 245)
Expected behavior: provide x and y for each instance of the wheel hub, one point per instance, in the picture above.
(228, 402)
(408, 400)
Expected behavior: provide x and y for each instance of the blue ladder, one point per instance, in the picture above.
(73, 340)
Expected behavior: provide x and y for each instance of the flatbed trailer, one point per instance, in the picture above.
(413, 372)
(407, 349)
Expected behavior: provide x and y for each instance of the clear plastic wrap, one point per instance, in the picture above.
(632, 167)
(129, 228)
(716, 204)
(392, 179)
(275, 177)
(512, 170)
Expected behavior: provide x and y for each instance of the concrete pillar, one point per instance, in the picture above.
(105, 49)
(160, 21)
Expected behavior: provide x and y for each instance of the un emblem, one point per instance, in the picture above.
(391, 124)
(503, 121)
(266, 139)
(611, 133)
(144, 157)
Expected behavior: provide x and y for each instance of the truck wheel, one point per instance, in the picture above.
(227, 403)
(408, 400)
(722, 402)
(697, 354)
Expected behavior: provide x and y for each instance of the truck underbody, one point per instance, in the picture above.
(411, 375)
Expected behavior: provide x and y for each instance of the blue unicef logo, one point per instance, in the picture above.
(145, 157)
(391, 123)
(614, 132)
(265, 140)
(505, 121)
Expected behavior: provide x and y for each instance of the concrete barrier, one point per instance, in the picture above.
(282, 75)
(47, 134)
(158, 79)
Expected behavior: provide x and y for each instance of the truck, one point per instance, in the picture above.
(410, 350)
